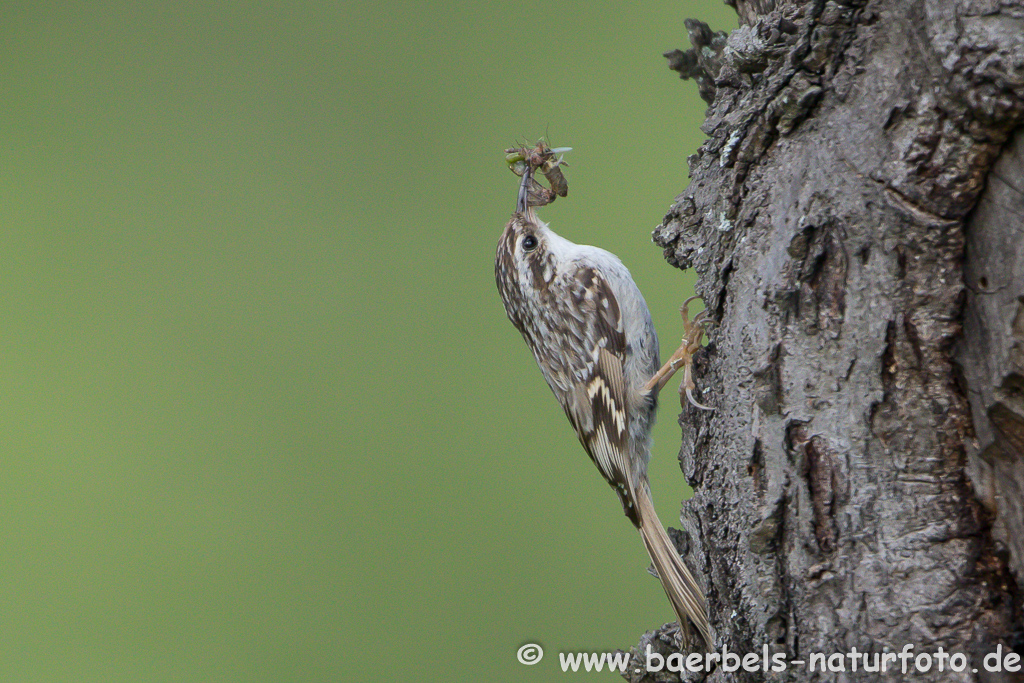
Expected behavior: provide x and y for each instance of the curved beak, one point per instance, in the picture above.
(522, 202)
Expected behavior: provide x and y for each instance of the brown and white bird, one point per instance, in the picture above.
(591, 333)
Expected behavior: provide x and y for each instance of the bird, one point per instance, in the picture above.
(591, 333)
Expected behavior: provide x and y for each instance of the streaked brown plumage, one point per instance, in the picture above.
(591, 334)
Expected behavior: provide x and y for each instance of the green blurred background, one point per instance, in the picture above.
(263, 416)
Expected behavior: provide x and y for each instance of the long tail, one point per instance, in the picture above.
(682, 589)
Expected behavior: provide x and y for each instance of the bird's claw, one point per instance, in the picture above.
(693, 333)
(693, 401)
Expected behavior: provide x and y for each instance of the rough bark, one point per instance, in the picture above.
(856, 220)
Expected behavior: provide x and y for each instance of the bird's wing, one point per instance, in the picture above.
(598, 408)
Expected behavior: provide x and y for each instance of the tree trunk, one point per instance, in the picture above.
(856, 220)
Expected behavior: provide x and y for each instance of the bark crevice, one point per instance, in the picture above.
(861, 483)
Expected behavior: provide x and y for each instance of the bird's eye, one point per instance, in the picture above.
(529, 243)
